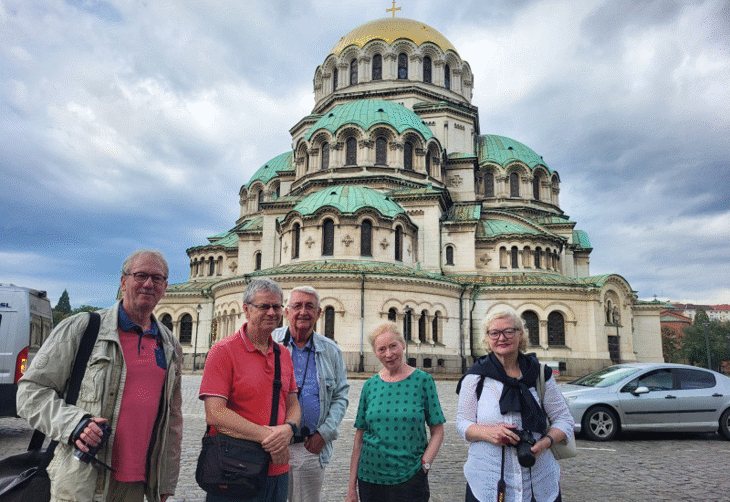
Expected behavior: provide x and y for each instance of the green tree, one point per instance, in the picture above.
(671, 346)
(62, 309)
(64, 303)
(703, 333)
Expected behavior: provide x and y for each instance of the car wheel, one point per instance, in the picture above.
(600, 424)
(725, 424)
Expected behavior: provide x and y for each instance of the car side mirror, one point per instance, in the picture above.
(641, 390)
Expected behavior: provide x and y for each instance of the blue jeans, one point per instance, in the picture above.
(276, 490)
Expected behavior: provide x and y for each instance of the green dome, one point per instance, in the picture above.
(502, 151)
(348, 200)
(281, 162)
(367, 113)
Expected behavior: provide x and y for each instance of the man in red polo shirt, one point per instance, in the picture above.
(237, 387)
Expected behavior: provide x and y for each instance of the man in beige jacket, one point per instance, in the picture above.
(132, 383)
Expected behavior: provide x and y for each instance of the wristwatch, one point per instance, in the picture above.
(426, 465)
(294, 428)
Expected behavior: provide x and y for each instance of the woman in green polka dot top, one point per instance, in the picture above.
(391, 454)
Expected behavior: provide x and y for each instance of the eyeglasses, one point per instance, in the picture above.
(311, 307)
(142, 277)
(508, 333)
(266, 307)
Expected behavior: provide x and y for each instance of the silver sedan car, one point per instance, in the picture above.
(650, 397)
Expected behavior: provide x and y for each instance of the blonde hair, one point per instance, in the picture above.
(386, 327)
(504, 314)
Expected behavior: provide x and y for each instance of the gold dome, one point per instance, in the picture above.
(391, 29)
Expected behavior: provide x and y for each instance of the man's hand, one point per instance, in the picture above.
(314, 443)
(280, 458)
(91, 435)
(278, 439)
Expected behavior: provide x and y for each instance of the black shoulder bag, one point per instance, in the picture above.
(23, 477)
(233, 467)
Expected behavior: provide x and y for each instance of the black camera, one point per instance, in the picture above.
(90, 456)
(524, 455)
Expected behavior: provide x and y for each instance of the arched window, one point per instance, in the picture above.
(257, 261)
(328, 237)
(329, 322)
(366, 238)
(392, 314)
(428, 163)
(260, 202)
(538, 252)
(407, 325)
(449, 255)
(353, 72)
(422, 324)
(536, 187)
(514, 185)
(489, 185)
(435, 328)
(335, 76)
(556, 329)
(532, 325)
(211, 266)
(325, 163)
(295, 237)
(277, 192)
(381, 151)
(408, 156)
(166, 321)
(402, 66)
(377, 67)
(186, 329)
(447, 77)
(351, 151)
(427, 70)
(399, 243)
(514, 255)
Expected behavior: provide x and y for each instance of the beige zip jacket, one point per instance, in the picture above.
(40, 402)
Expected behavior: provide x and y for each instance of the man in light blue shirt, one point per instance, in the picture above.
(322, 383)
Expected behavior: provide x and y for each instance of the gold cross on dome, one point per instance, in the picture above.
(393, 9)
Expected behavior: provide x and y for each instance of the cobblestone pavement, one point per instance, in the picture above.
(636, 467)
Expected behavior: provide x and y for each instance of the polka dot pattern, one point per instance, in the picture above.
(393, 416)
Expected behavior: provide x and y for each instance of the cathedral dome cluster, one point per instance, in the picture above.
(392, 203)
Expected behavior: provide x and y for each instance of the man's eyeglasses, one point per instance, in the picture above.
(508, 333)
(266, 307)
(303, 306)
(142, 277)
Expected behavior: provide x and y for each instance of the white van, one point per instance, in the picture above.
(26, 320)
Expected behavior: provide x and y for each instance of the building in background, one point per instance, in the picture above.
(394, 205)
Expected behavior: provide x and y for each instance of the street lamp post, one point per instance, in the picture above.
(706, 324)
(195, 345)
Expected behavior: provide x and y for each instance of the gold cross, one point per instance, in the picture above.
(393, 9)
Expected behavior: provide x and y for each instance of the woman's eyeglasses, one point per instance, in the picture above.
(508, 333)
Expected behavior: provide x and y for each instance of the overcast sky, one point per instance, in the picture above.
(133, 123)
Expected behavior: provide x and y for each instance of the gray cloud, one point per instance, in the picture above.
(133, 124)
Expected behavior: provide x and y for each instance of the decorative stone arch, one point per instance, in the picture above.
(255, 194)
(516, 173)
(569, 319)
(418, 153)
(375, 155)
(243, 196)
(328, 69)
(301, 158)
(343, 135)
(485, 180)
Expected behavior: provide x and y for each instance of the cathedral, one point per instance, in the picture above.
(393, 204)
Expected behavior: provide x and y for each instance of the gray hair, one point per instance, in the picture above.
(127, 265)
(307, 290)
(505, 314)
(261, 285)
(386, 327)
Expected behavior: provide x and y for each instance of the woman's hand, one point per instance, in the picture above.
(497, 434)
(540, 446)
(352, 495)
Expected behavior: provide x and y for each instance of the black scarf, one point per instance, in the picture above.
(516, 395)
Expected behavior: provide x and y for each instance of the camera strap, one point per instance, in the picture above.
(501, 485)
